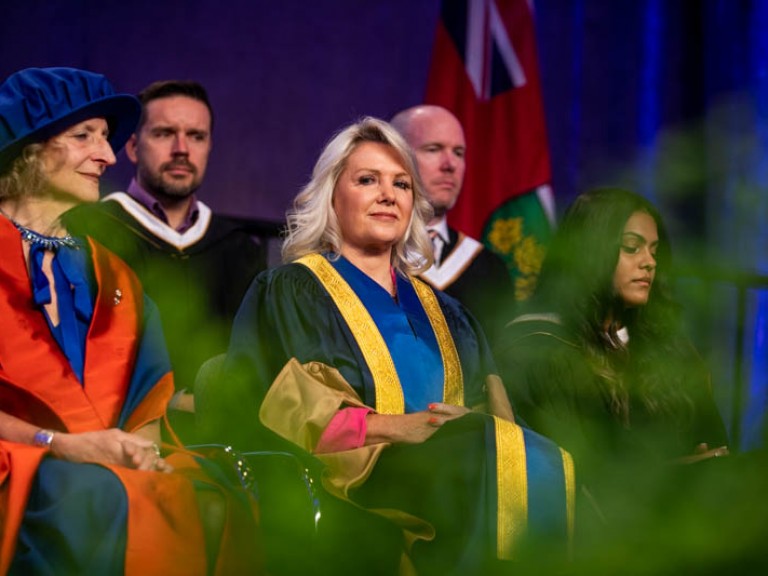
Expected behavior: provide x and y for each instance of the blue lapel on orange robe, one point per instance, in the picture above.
(127, 383)
(118, 363)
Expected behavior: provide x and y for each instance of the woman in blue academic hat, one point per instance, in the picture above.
(84, 376)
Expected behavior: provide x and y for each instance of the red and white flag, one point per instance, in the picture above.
(485, 70)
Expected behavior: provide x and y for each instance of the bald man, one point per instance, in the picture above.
(463, 268)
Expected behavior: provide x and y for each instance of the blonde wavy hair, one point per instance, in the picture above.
(24, 176)
(311, 223)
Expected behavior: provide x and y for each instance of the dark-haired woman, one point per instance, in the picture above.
(598, 361)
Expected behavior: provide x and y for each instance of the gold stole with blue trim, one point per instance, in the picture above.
(389, 392)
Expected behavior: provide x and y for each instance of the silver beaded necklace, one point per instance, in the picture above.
(52, 243)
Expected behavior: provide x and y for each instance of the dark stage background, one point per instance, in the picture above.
(669, 97)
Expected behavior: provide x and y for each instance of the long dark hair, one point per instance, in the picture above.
(576, 282)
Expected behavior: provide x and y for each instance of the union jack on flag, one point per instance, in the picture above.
(489, 56)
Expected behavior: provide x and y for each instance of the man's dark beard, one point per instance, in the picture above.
(170, 190)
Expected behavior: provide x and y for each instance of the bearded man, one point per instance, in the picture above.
(195, 265)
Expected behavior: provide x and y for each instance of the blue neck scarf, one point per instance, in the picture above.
(73, 296)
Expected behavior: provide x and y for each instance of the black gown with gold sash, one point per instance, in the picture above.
(319, 335)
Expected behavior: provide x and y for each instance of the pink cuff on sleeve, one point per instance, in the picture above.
(345, 431)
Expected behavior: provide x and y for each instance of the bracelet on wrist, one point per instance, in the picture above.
(43, 438)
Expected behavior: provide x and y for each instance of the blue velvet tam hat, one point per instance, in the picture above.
(38, 103)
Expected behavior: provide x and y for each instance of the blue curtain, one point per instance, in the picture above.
(737, 191)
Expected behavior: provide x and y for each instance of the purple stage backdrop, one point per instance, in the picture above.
(282, 76)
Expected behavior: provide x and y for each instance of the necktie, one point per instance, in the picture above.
(437, 245)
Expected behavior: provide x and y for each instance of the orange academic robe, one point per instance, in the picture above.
(164, 533)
